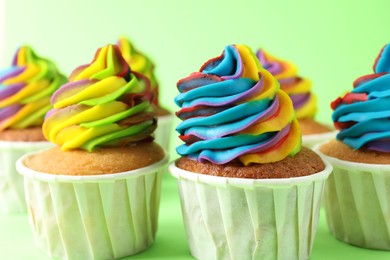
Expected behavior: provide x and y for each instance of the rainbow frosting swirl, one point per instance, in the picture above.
(363, 114)
(25, 90)
(140, 63)
(102, 105)
(234, 109)
(298, 88)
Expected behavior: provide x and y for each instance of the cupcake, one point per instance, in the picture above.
(248, 189)
(25, 90)
(141, 64)
(96, 194)
(357, 196)
(304, 101)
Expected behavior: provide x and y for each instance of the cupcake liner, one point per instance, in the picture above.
(231, 218)
(163, 132)
(11, 183)
(311, 140)
(93, 217)
(357, 203)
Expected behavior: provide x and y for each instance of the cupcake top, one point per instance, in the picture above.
(140, 63)
(25, 90)
(233, 109)
(362, 115)
(298, 88)
(102, 105)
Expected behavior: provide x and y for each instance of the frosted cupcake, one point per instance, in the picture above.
(304, 101)
(141, 64)
(96, 194)
(357, 196)
(25, 90)
(248, 190)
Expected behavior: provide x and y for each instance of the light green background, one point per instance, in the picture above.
(332, 43)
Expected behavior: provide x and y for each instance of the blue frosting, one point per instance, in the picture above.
(220, 104)
(366, 123)
(382, 64)
(229, 65)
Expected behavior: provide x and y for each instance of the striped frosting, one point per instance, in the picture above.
(25, 89)
(233, 109)
(140, 63)
(102, 105)
(298, 88)
(363, 114)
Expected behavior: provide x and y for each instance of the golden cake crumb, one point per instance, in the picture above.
(342, 151)
(100, 161)
(309, 126)
(32, 134)
(306, 162)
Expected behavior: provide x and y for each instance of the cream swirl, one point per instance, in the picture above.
(298, 88)
(102, 105)
(362, 115)
(140, 63)
(234, 109)
(25, 89)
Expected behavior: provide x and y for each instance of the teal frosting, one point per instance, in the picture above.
(363, 114)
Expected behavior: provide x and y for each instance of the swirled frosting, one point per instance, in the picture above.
(102, 105)
(140, 63)
(233, 109)
(363, 114)
(25, 89)
(298, 88)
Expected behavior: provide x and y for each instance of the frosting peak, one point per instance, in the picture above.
(382, 62)
(298, 88)
(362, 115)
(25, 89)
(140, 63)
(102, 105)
(233, 109)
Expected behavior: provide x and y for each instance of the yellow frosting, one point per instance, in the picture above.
(25, 90)
(234, 109)
(102, 105)
(140, 63)
(287, 74)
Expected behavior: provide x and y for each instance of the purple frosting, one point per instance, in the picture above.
(299, 99)
(70, 86)
(9, 111)
(15, 71)
(10, 90)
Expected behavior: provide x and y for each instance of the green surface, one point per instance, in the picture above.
(16, 241)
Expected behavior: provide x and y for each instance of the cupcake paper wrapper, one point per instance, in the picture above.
(11, 183)
(230, 218)
(311, 140)
(163, 132)
(93, 217)
(357, 203)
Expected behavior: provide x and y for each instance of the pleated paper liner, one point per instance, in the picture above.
(357, 203)
(164, 129)
(93, 217)
(311, 140)
(11, 183)
(232, 218)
